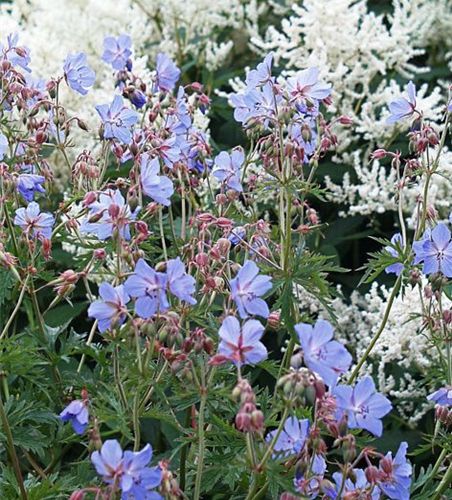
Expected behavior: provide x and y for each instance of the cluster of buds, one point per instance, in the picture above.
(426, 136)
(443, 415)
(249, 418)
(300, 386)
(198, 342)
(169, 487)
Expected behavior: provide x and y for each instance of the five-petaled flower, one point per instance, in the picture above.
(403, 108)
(128, 470)
(117, 51)
(110, 215)
(118, 120)
(305, 86)
(77, 413)
(111, 310)
(397, 267)
(33, 222)
(435, 250)
(442, 397)
(180, 284)
(167, 73)
(148, 287)
(227, 169)
(363, 406)
(29, 184)
(247, 288)
(242, 344)
(292, 438)
(395, 475)
(158, 187)
(322, 355)
(79, 76)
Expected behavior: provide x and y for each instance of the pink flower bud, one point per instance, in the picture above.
(218, 360)
(345, 120)
(89, 198)
(378, 154)
(100, 254)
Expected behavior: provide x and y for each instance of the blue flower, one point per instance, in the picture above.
(111, 214)
(117, 51)
(17, 55)
(402, 108)
(156, 186)
(137, 98)
(358, 488)
(305, 86)
(322, 355)
(29, 184)
(242, 345)
(435, 250)
(79, 76)
(397, 267)
(442, 397)
(256, 104)
(262, 74)
(167, 73)
(3, 146)
(138, 480)
(247, 288)
(363, 406)
(32, 221)
(293, 437)
(227, 169)
(395, 475)
(77, 412)
(128, 470)
(118, 120)
(35, 89)
(148, 286)
(167, 150)
(311, 485)
(180, 284)
(111, 310)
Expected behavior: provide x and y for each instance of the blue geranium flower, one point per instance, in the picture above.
(79, 76)
(227, 169)
(29, 184)
(117, 51)
(242, 345)
(77, 413)
(322, 355)
(435, 251)
(111, 310)
(180, 284)
(293, 437)
(118, 120)
(148, 287)
(363, 406)
(247, 288)
(402, 108)
(156, 186)
(167, 73)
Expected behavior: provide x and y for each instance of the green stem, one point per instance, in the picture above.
(136, 421)
(202, 445)
(16, 309)
(379, 332)
(269, 451)
(184, 452)
(444, 484)
(435, 469)
(12, 451)
(162, 234)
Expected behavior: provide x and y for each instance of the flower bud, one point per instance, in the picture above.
(77, 495)
(273, 320)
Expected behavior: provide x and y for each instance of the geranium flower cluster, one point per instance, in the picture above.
(186, 278)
